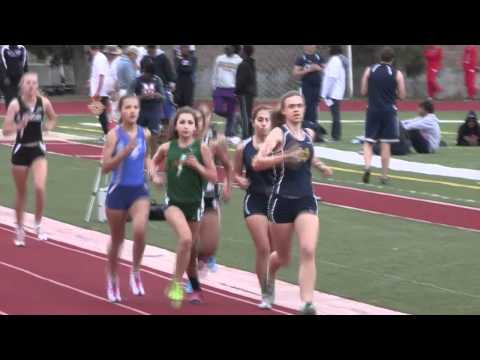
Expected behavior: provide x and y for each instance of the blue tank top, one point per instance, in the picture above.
(295, 183)
(261, 182)
(131, 171)
(382, 88)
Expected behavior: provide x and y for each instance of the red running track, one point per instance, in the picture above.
(80, 107)
(57, 279)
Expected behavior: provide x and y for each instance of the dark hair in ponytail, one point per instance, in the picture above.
(278, 119)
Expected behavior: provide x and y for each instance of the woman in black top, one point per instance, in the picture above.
(469, 132)
(258, 187)
(25, 117)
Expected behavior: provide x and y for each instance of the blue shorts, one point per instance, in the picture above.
(285, 211)
(150, 120)
(382, 126)
(255, 204)
(123, 197)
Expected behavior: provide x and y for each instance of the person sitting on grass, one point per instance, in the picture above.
(469, 131)
(424, 131)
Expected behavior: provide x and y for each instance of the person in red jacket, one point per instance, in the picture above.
(433, 56)
(469, 69)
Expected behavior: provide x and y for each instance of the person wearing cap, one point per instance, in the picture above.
(424, 131)
(113, 53)
(98, 89)
(127, 71)
(469, 131)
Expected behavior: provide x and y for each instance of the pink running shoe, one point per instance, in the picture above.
(195, 298)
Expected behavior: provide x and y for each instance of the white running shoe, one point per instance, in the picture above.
(40, 234)
(20, 237)
(113, 290)
(136, 284)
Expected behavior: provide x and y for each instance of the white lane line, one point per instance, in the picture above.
(145, 271)
(3, 313)
(35, 275)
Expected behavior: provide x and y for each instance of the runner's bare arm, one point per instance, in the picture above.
(264, 159)
(221, 152)
(401, 92)
(9, 126)
(364, 85)
(238, 168)
(208, 171)
(51, 115)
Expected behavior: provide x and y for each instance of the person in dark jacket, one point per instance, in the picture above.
(186, 65)
(469, 132)
(13, 64)
(164, 70)
(246, 89)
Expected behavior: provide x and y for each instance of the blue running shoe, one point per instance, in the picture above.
(212, 264)
(188, 287)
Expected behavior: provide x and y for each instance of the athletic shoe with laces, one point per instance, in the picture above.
(136, 284)
(113, 290)
(40, 234)
(195, 298)
(366, 177)
(175, 294)
(308, 309)
(268, 296)
(20, 237)
(212, 264)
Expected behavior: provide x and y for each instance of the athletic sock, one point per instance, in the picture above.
(195, 283)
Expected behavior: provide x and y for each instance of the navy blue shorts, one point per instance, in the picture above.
(123, 197)
(382, 126)
(255, 204)
(285, 211)
(150, 120)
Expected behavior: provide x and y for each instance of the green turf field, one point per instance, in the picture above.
(403, 265)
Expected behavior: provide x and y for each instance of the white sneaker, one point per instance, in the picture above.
(40, 234)
(20, 238)
(136, 284)
(113, 290)
(265, 305)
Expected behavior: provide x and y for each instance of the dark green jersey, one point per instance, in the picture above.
(184, 185)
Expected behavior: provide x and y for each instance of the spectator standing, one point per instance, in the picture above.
(424, 131)
(98, 89)
(470, 69)
(223, 84)
(113, 53)
(150, 90)
(308, 68)
(13, 64)
(186, 66)
(127, 71)
(333, 88)
(433, 56)
(383, 84)
(246, 89)
(469, 132)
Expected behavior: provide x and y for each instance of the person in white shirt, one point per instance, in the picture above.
(333, 88)
(113, 53)
(424, 131)
(223, 84)
(98, 90)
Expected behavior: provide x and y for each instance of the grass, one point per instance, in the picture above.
(403, 265)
